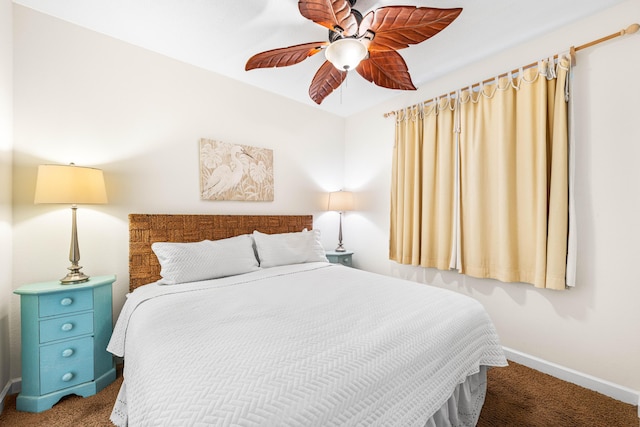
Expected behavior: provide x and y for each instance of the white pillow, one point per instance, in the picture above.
(208, 259)
(289, 248)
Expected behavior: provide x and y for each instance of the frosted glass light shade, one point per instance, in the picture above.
(340, 201)
(346, 54)
(70, 184)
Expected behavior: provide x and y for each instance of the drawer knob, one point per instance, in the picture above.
(67, 327)
(67, 377)
(66, 301)
(68, 352)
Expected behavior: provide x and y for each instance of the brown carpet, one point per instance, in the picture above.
(517, 396)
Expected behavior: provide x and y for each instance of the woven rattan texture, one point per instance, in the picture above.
(145, 229)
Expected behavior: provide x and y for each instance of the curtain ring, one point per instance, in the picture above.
(511, 79)
(522, 77)
(471, 94)
(541, 68)
(551, 74)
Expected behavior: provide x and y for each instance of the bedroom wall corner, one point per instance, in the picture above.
(6, 148)
(594, 328)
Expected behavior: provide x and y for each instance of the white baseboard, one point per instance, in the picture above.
(607, 388)
(3, 395)
(12, 387)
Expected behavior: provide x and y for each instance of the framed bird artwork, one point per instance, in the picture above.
(235, 172)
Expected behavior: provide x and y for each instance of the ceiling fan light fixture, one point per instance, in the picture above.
(345, 54)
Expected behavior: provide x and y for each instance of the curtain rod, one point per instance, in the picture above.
(629, 30)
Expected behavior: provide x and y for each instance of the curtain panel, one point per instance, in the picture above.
(423, 186)
(480, 182)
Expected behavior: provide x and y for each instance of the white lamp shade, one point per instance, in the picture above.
(70, 184)
(346, 54)
(340, 201)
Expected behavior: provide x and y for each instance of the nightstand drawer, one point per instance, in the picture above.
(66, 327)
(344, 258)
(65, 302)
(66, 364)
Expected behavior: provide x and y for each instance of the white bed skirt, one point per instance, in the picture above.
(464, 406)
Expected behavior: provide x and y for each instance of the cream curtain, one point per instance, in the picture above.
(406, 188)
(512, 210)
(423, 186)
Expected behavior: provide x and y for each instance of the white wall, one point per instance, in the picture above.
(6, 143)
(96, 101)
(594, 328)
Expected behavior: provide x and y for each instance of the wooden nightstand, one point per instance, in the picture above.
(343, 258)
(65, 332)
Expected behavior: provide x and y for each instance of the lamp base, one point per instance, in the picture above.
(340, 248)
(74, 276)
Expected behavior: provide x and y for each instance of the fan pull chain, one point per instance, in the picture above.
(345, 84)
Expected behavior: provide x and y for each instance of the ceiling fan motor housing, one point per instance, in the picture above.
(336, 33)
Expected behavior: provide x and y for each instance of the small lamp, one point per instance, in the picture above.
(70, 184)
(340, 201)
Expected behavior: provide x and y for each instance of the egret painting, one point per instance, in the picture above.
(235, 172)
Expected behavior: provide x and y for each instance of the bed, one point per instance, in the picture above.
(241, 321)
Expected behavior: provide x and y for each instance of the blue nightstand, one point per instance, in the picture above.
(65, 332)
(344, 258)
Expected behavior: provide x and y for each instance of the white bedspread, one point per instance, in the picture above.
(303, 345)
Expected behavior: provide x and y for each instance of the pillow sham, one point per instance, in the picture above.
(208, 259)
(288, 248)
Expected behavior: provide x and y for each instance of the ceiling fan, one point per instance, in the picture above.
(367, 44)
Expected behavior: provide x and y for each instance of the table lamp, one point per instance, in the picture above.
(74, 185)
(340, 201)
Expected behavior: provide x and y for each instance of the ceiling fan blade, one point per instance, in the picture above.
(397, 27)
(329, 14)
(325, 81)
(386, 69)
(284, 56)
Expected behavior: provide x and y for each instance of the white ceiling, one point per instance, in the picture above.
(221, 35)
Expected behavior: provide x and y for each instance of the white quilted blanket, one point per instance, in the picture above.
(303, 345)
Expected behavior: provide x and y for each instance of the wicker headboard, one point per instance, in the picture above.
(145, 229)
